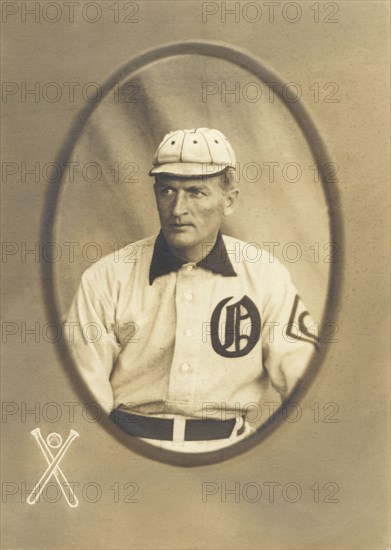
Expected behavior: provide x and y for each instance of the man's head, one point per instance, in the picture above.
(194, 188)
(191, 212)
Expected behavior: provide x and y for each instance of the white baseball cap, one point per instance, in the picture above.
(197, 152)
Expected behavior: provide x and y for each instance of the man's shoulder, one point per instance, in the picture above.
(251, 255)
(137, 248)
(123, 259)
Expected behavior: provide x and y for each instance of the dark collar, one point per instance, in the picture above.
(164, 261)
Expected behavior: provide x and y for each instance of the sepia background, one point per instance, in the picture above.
(334, 456)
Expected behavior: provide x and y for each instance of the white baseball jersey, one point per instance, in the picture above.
(160, 336)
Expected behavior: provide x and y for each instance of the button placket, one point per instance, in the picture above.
(182, 382)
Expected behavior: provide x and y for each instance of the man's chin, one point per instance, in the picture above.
(180, 240)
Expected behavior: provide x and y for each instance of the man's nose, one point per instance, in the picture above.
(180, 206)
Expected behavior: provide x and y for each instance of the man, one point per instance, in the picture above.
(192, 329)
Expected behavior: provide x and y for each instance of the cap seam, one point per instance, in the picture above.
(161, 146)
(183, 141)
(210, 153)
(229, 152)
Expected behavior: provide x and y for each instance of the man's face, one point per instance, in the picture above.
(191, 211)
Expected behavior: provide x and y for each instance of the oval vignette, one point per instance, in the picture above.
(318, 149)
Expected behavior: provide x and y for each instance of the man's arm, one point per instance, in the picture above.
(288, 332)
(91, 337)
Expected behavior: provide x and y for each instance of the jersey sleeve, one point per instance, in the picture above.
(288, 331)
(91, 336)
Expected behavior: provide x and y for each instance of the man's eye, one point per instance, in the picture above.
(166, 191)
(197, 193)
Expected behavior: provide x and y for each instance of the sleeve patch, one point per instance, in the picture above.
(298, 326)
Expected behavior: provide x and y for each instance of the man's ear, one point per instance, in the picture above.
(231, 198)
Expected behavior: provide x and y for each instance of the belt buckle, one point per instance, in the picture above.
(240, 427)
(178, 432)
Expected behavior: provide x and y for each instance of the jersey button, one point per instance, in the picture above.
(188, 332)
(188, 296)
(185, 367)
(189, 267)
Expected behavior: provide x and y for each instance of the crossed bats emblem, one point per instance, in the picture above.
(54, 441)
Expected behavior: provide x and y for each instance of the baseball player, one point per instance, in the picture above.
(190, 328)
